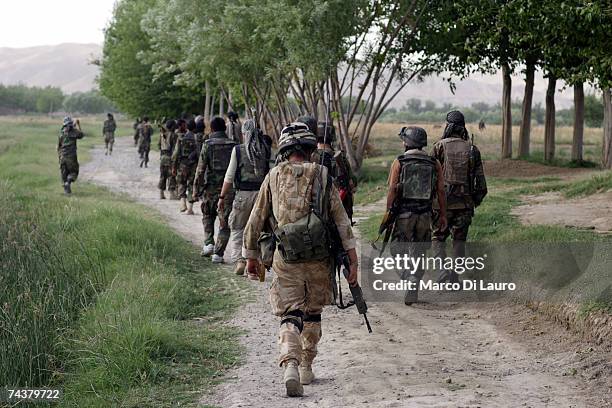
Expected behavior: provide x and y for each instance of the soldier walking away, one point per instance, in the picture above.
(108, 130)
(465, 187)
(144, 141)
(249, 164)
(136, 127)
(300, 201)
(337, 165)
(167, 141)
(233, 127)
(199, 131)
(415, 181)
(67, 152)
(213, 162)
(184, 162)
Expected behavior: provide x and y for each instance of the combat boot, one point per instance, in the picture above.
(306, 374)
(216, 259)
(207, 250)
(183, 206)
(291, 378)
(240, 267)
(161, 195)
(189, 208)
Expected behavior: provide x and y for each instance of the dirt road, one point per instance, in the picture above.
(446, 355)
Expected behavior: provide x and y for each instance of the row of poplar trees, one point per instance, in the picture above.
(347, 60)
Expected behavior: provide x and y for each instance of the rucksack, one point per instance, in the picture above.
(417, 182)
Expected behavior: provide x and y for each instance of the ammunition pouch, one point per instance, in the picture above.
(267, 247)
(304, 240)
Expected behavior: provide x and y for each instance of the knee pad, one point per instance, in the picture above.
(295, 317)
(313, 318)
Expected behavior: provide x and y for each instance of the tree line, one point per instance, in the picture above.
(427, 111)
(24, 99)
(346, 61)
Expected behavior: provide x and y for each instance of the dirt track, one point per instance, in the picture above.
(424, 356)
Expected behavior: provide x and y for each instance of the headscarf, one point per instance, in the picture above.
(455, 124)
(258, 151)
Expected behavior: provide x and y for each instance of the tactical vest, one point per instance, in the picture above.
(189, 149)
(307, 238)
(417, 182)
(245, 178)
(165, 143)
(219, 151)
(456, 170)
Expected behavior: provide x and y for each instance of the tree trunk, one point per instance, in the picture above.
(578, 138)
(221, 103)
(506, 113)
(207, 103)
(549, 123)
(525, 130)
(607, 134)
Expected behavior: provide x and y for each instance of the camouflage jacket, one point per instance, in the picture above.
(109, 126)
(283, 197)
(341, 169)
(210, 174)
(67, 142)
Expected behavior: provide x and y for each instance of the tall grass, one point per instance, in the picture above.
(98, 294)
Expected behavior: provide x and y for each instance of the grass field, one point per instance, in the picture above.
(98, 294)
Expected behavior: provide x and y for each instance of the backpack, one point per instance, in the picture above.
(417, 182)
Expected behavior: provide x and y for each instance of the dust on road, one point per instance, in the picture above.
(447, 355)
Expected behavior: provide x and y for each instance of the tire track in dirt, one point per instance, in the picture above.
(407, 361)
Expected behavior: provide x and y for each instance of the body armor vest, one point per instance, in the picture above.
(189, 149)
(417, 182)
(331, 161)
(456, 170)
(219, 151)
(245, 178)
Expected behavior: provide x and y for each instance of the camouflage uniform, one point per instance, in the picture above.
(299, 289)
(67, 153)
(212, 164)
(136, 127)
(109, 134)
(167, 142)
(233, 131)
(341, 172)
(465, 187)
(184, 161)
(144, 142)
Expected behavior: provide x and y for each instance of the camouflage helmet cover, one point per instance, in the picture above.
(413, 136)
(310, 122)
(67, 121)
(296, 134)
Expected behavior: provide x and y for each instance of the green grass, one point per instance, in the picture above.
(373, 179)
(562, 159)
(599, 183)
(99, 295)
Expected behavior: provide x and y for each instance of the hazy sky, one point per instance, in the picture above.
(27, 23)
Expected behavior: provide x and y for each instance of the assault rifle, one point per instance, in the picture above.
(342, 263)
(386, 226)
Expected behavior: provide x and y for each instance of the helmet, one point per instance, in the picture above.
(296, 135)
(232, 115)
(413, 137)
(326, 133)
(170, 124)
(68, 121)
(310, 122)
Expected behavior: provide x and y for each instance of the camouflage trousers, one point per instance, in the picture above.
(69, 168)
(210, 214)
(412, 236)
(301, 290)
(241, 210)
(109, 140)
(184, 180)
(143, 151)
(459, 221)
(166, 178)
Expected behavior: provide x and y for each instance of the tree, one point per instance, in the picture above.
(127, 79)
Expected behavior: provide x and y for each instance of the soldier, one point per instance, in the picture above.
(184, 162)
(166, 144)
(299, 200)
(199, 131)
(337, 164)
(136, 127)
(465, 187)
(248, 166)
(212, 164)
(67, 152)
(415, 180)
(233, 128)
(144, 141)
(108, 130)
